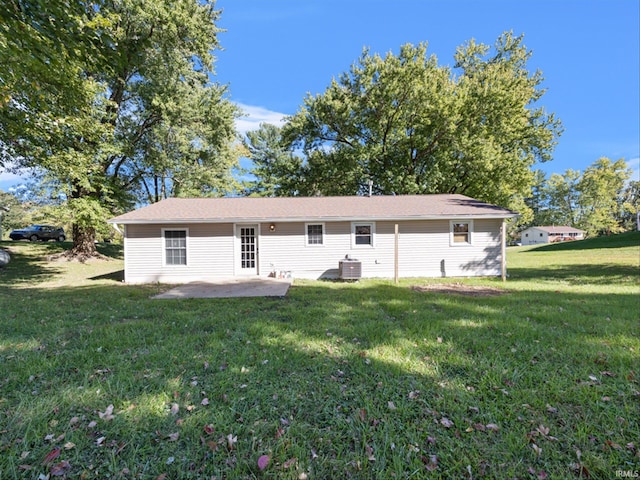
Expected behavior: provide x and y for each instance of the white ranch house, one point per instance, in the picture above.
(550, 234)
(181, 240)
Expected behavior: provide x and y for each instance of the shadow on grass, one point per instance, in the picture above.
(25, 267)
(602, 274)
(117, 276)
(29, 264)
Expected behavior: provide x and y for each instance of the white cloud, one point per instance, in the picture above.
(9, 177)
(254, 116)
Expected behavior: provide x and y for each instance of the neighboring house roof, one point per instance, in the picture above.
(556, 230)
(287, 209)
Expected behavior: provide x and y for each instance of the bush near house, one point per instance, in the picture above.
(533, 378)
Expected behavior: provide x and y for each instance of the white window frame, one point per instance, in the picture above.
(164, 247)
(306, 235)
(452, 241)
(372, 226)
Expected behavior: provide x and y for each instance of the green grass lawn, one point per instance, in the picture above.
(337, 380)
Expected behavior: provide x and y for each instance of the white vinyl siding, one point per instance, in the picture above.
(424, 250)
(209, 253)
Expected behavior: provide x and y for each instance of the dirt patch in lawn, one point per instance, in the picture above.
(460, 289)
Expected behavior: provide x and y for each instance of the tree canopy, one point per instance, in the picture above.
(600, 200)
(412, 126)
(119, 108)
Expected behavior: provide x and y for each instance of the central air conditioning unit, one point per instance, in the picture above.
(350, 269)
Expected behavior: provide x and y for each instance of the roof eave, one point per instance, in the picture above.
(175, 221)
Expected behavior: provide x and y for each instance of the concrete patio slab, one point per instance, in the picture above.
(231, 287)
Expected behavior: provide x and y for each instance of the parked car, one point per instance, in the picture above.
(39, 232)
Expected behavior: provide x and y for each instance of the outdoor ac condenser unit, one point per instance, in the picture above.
(350, 269)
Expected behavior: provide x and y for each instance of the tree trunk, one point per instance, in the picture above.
(84, 241)
(84, 245)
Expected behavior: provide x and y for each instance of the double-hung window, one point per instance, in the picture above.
(175, 247)
(363, 234)
(461, 232)
(315, 234)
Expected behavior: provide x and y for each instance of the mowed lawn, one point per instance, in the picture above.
(535, 378)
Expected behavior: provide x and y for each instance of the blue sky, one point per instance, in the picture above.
(277, 51)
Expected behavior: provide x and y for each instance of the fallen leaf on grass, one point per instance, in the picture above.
(208, 429)
(370, 455)
(69, 445)
(430, 462)
(543, 430)
(613, 445)
(175, 408)
(173, 437)
(536, 449)
(213, 445)
(541, 475)
(392, 406)
(231, 441)
(205, 401)
(107, 414)
(580, 470)
(60, 469)
(446, 422)
(263, 461)
(51, 456)
(289, 463)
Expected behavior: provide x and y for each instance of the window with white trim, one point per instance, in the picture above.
(314, 234)
(363, 234)
(175, 247)
(461, 232)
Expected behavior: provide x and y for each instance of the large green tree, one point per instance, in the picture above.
(599, 200)
(128, 113)
(411, 126)
(601, 191)
(275, 167)
(563, 199)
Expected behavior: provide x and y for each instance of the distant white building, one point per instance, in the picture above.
(537, 235)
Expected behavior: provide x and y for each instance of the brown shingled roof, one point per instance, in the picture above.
(253, 209)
